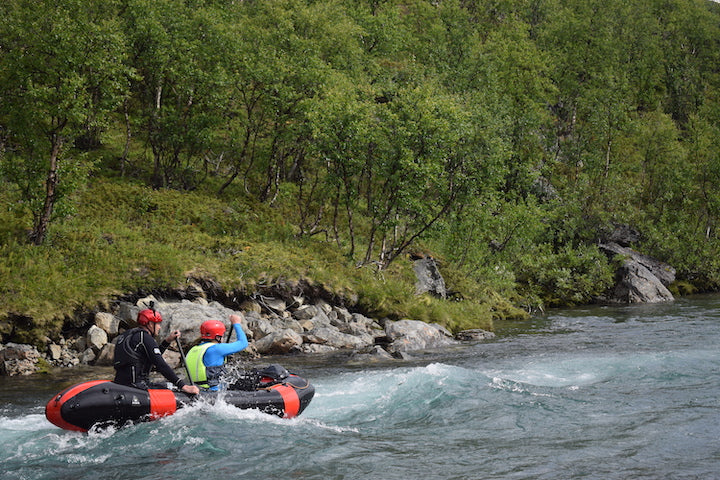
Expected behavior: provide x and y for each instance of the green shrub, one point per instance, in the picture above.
(572, 276)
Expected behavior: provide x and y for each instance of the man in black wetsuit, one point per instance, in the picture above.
(136, 352)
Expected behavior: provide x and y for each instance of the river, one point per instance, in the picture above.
(629, 392)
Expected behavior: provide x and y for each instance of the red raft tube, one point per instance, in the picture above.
(104, 403)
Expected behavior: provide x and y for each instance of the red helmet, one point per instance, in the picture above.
(211, 329)
(148, 315)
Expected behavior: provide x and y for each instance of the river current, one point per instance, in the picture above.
(588, 393)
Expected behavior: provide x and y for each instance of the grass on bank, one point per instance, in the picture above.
(126, 238)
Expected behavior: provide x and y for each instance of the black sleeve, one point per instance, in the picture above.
(155, 355)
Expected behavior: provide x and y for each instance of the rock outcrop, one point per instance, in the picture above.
(640, 278)
(429, 279)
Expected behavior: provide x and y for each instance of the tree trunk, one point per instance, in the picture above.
(128, 135)
(43, 220)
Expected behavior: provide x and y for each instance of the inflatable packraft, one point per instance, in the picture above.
(105, 403)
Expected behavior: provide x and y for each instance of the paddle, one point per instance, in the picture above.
(182, 356)
(230, 331)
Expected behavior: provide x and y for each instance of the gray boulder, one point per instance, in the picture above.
(664, 272)
(374, 355)
(343, 315)
(316, 348)
(173, 358)
(88, 356)
(333, 337)
(622, 234)
(474, 335)
(106, 355)
(292, 324)
(640, 278)
(409, 335)
(279, 342)
(55, 352)
(18, 359)
(321, 319)
(637, 284)
(428, 278)
(187, 317)
(305, 312)
(108, 322)
(272, 304)
(258, 325)
(95, 338)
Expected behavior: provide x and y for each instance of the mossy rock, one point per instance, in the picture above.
(681, 288)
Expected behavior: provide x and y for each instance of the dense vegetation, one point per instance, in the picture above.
(148, 143)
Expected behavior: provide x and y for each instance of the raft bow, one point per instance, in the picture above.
(102, 402)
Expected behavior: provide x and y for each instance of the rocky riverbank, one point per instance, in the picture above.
(301, 321)
(306, 326)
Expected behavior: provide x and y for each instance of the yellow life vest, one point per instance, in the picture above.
(196, 366)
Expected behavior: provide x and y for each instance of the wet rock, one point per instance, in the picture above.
(474, 335)
(402, 355)
(375, 354)
(408, 335)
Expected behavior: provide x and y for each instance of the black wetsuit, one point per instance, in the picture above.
(136, 352)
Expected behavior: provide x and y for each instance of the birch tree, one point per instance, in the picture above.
(61, 72)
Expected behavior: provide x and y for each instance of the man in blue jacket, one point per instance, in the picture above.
(206, 361)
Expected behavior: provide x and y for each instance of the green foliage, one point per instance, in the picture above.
(391, 293)
(310, 137)
(572, 276)
(181, 88)
(61, 73)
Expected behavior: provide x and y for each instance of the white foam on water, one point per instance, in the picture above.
(32, 422)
